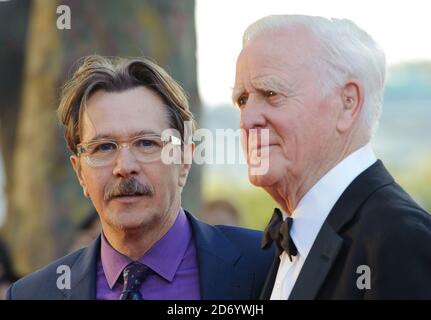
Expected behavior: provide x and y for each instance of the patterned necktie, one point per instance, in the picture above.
(133, 275)
(278, 231)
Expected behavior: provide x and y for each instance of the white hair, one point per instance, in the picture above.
(348, 52)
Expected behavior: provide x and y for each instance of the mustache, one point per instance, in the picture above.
(128, 187)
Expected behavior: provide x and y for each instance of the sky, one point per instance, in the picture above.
(400, 27)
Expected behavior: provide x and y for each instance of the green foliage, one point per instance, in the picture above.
(417, 183)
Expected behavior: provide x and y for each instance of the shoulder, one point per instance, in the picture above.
(253, 257)
(396, 233)
(42, 284)
(391, 225)
(220, 238)
(380, 204)
(248, 242)
(391, 210)
(248, 238)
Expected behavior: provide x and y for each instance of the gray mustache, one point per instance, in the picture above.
(128, 187)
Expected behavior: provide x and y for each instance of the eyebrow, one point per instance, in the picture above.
(107, 136)
(263, 84)
(236, 92)
(271, 83)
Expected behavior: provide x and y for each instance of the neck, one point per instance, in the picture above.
(134, 243)
(291, 190)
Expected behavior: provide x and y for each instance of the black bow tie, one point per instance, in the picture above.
(278, 230)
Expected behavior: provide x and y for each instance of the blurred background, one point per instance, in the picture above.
(43, 214)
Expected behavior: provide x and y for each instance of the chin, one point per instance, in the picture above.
(268, 172)
(129, 220)
(130, 225)
(263, 180)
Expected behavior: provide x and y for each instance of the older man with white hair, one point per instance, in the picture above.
(345, 229)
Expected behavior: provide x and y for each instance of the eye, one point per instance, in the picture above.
(270, 93)
(147, 143)
(102, 147)
(242, 100)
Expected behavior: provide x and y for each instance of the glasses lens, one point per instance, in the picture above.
(101, 153)
(144, 148)
(147, 148)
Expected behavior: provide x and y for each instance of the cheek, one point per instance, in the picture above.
(164, 179)
(295, 133)
(287, 133)
(322, 123)
(323, 112)
(95, 182)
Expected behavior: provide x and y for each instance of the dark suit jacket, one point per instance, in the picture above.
(231, 266)
(374, 223)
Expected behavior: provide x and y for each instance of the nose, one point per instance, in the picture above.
(125, 163)
(252, 115)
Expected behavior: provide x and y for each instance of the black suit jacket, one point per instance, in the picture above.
(231, 266)
(374, 223)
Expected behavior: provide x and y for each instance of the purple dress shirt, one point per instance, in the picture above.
(173, 260)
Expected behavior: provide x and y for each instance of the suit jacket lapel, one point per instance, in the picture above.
(328, 242)
(83, 274)
(270, 280)
(368, 182)
(317, 265)
(217, 256)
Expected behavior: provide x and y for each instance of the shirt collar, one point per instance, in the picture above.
(164, 257)
(317, 203)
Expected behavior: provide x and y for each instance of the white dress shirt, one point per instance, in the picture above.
(311, 213)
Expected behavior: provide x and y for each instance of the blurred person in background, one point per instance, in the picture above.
(120, 116)
(220, 212)
(7, 273)
(88, 230)
(345, 229)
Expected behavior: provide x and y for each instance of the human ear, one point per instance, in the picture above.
(352, 103)
(186, 164)
(75, 161)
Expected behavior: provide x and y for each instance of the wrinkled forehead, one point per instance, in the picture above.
(124, 114)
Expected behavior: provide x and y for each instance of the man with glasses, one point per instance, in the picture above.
(126, 123)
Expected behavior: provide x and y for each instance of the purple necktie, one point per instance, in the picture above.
(133, 275)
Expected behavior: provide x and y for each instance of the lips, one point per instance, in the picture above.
(265, 145)
(259, 148)
(260, 142)
(127, 198)
(127, 195)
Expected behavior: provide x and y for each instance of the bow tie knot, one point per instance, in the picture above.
(278, 231)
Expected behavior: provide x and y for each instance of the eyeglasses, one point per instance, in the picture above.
(145, 148)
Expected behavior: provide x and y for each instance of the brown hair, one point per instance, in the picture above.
(118, 74)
